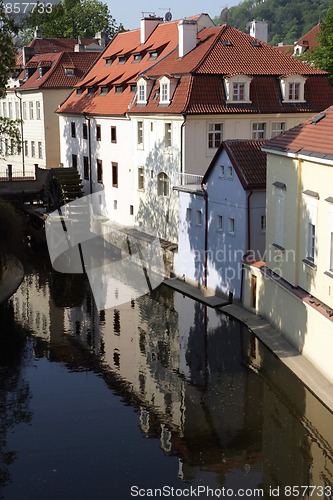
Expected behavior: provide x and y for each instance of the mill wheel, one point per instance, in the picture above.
(62, 186)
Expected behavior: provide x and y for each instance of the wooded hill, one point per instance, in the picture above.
(288, 20)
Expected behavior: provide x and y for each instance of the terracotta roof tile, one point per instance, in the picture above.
(313, 137)
(310, 38)
(248, 160)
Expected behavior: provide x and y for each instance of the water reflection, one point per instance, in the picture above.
(201, 384)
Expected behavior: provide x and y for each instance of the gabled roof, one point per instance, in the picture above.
(54, 65)
(248, 160)
(219, 51)
(309, 40)
(312, 138)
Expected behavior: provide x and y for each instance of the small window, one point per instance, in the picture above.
(165, 92)
(33, 151)
(163, 184)
(133, 87)
(73, 129)
(189, 215)
(219, 222)
(221, 172)
(10, 110)
(86, 168)
(115, 204)
(121, 59)
(40, 150)
(199, 217)
(131, 210)
(153, 54)
(230, 172)
(263, 223)
(137, 57)
(214, 135)
(26, 149)
(168, 135)
(141, 180)
(108, 61)
(91, 90)
(40, 72)
(78, 91)
(74, 161)
(258, 131)
(4, 105)
(84, 131)
(114, 174)
(294, 91)
(140, 133)
(311, 242)
(38, 112)
(99, 171)
(17, 111)
(118, 89)
(69, 71)
(113, 134)
(31, 110)
(24, 110)
(104, 90)
(231, 225)
(238, 91)
(98, 133)
(277, 128)
(142, 93)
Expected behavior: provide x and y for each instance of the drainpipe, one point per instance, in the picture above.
(248, 243)
(89, 151)
(206, 234)
(22, 140)
(182, 148)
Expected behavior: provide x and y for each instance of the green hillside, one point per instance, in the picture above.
(287, 20)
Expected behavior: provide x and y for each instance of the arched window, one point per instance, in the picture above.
(163, 184)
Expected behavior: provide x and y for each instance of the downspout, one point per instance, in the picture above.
(248, 243)
(182, 148)
(22, 140)
(89, 151)
(206, 234)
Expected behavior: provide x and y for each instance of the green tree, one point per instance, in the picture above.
(71, 19)
(10, 137)
(322, 57)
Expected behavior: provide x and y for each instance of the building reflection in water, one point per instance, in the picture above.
(205, 387)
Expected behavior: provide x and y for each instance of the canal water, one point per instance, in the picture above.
(160, 397)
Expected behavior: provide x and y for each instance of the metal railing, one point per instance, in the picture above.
(11, 175)
(185, 179)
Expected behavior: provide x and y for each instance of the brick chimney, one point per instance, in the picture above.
(187, 34)
(148, 24)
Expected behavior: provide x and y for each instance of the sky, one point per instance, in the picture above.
(129, 12)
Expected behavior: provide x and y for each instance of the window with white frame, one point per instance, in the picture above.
(167, 135)
(140, 133)
(33, 150)
(311, 209)
(214, 135)
(24, 109)
(163, 184)
(258, 131)
(231, 225)
(142, 91)
(38, 113)
(277, 128)
(280, 194)
(40, 150)
(230, 172)
(292, 88)
(219, 222)
(26, 149)
(17, 110)
(10, 110)
(141, 179)
(164, 94)
(31, 110)
(237, 88)
(221, 171)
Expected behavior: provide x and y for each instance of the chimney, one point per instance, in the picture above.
(102, 38)
(187, 33)
(259, 30)
(148, 24)
(37, 33)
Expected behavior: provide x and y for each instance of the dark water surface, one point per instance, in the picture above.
(161, 392)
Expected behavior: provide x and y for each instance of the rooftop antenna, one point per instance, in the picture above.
(168, 15)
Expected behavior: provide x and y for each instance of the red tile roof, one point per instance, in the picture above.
(55, 77)
(248, 160)
(310, 39)
(312, 138)
(200, 88)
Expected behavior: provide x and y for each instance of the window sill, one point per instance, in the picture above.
(329, 274)
(309, 263)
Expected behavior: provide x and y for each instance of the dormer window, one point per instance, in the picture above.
(118, 89)
(237, 89)
(121, 59)
(142, 91)
(69, 72)
(78, 91)
(153, 54)
(108, 61)
(91, 90)
(165, 92)
(40, 72)
(133, 87)
(137, 57)
(292, 88)
(104, 90)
